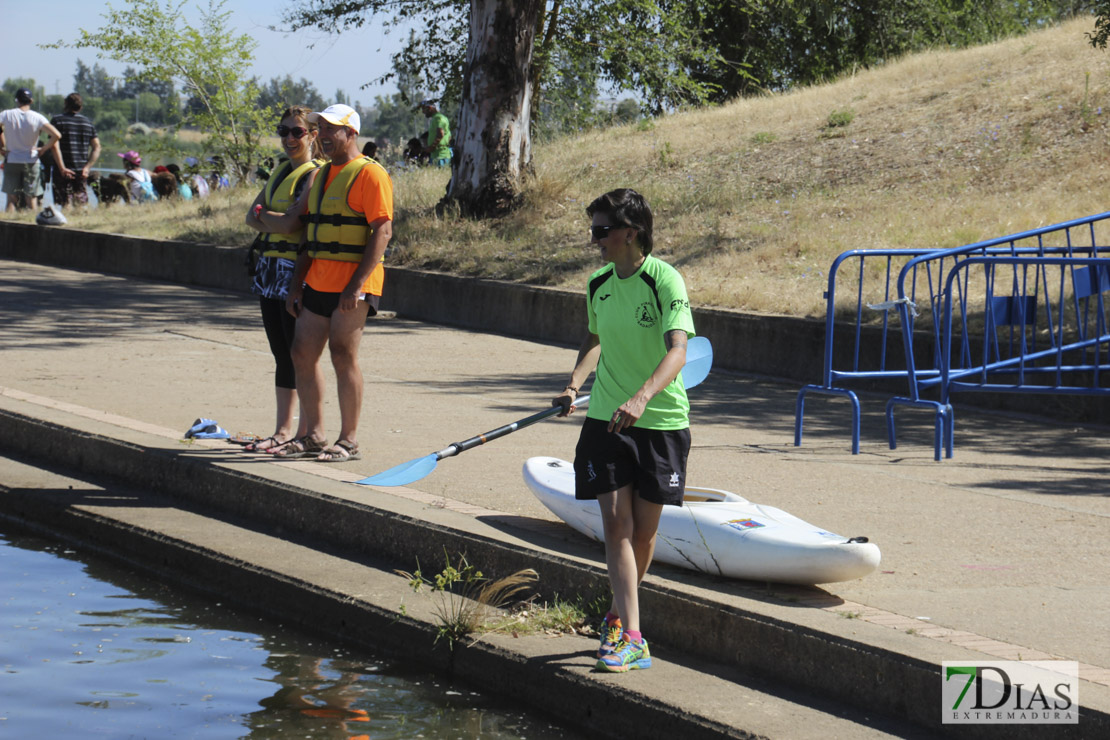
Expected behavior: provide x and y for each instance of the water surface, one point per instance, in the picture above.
(89, 649)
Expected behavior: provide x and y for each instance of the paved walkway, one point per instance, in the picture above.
(1001, 550)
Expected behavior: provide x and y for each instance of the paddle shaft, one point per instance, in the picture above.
(469, 444)
(699, 360)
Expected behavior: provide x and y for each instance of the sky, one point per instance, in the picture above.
(334, 62)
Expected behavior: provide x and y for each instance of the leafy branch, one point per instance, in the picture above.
(210, 63)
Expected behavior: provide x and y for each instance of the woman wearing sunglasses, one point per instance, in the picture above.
(631, 453)
(274, 268)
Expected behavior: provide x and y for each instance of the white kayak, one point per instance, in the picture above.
(720, 533)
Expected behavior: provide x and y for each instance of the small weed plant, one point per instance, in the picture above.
(840, 118)
(466, 602)
(666, 155)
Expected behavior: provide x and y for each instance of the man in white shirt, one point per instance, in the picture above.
(19, 139)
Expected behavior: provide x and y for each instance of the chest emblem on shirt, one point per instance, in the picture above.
(645, 316)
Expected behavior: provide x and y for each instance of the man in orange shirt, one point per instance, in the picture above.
(338, 279)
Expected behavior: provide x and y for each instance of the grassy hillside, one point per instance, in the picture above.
(753, 200)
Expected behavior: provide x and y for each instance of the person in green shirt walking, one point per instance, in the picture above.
(438, 147)
(632, 451)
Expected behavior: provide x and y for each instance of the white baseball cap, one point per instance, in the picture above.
(338, 115)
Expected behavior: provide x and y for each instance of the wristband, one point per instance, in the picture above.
(571, 388)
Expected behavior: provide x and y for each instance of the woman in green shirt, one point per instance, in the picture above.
(632, 451)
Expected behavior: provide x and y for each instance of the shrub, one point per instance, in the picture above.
(840, 118)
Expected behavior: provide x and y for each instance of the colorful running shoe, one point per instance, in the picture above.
(628, 656)
(610, 635)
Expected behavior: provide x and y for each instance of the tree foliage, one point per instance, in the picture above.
(279, 94)
(395, 118)
(644, 46)
(677, 52)
(93, 82)
(1101, 9)
(776, 44)
(209, 62)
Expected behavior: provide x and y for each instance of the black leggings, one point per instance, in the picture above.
(279, 325)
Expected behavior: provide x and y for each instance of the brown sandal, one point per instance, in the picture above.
(271, 442)
(341, 451)
(296, 449)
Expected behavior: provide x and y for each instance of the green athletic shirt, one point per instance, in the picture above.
(631, 316)
(437, 121)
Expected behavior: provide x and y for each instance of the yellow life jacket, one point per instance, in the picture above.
(280, 193)
(335, 231)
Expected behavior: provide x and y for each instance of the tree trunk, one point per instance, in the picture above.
(493, 142)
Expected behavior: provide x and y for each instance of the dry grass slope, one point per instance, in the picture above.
(754, 199)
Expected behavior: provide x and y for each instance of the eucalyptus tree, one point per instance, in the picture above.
(496, 60)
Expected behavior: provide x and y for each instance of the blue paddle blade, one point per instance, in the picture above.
(699, 361)
(403, 474)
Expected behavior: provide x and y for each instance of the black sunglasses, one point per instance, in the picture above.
(600, 232)
(297, 131)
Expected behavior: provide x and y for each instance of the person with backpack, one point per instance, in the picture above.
(140, 182)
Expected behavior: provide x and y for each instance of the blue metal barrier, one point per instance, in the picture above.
(1055, 337)
(920, 294)
(866, 278)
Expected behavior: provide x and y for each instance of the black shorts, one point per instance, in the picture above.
(325, 304)
(652, 460)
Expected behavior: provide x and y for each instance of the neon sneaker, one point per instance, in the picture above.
(610, 636)
(628, 656)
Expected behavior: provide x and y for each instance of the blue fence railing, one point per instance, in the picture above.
(926, 288)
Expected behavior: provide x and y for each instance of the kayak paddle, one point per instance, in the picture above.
(699, 360)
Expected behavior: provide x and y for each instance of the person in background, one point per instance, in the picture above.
(47, 170)
(438, 144)
(139, 180)
(275, 265)
(370, 149)
(264, 169)
(80, 147)
(632, 450)
(165, 184)
(20, 148)
(218, 178)
(197, 183)
(183, 190)
(414, 151)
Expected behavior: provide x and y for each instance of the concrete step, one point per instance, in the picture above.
(815, 658)
(358, 601)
